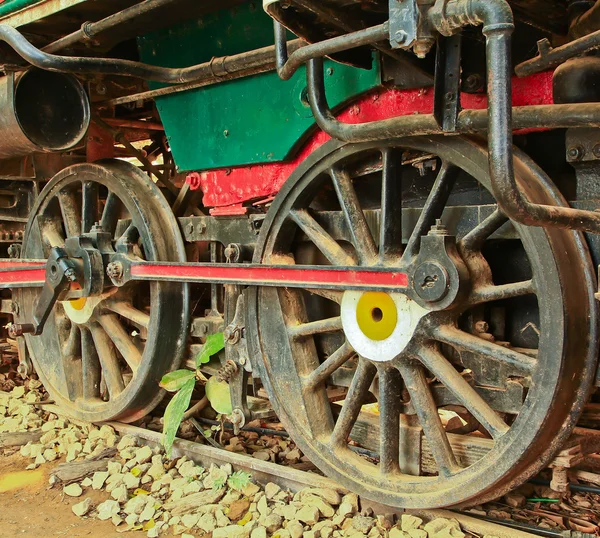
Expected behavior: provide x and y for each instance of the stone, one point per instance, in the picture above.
(193, 487)
(327, 494)
(207, 523)
(308, 514)
(131, 520)
(418, 533)
(87, 482)
(326, 532)
(262, 506)
(363, 524)
(325, 508)
(238, 509)
(50, 455)
(82, 508)
(130, 481)
(222, 519)
(116, 520)
(114, 467)
(287, 511)
(271, 490)
(98, 479)
(127, 441)
(231, 531)
(295, 528)
(190, 470)
(272, 523)
(144, 454)
(352, 499)
(108, 509)
(189, 520)
(259, 532)
(408, 522)
(73, 490)
(345, 509)
(135, 505)
(156, 471)
(120, 494)
(262, 455)
(439, 524)
(148, 512)
(309, 534)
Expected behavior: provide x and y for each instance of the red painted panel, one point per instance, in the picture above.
(227, 190)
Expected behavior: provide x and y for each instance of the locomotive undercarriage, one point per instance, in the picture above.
(415, 267)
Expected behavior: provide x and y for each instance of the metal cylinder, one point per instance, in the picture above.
(41, 111)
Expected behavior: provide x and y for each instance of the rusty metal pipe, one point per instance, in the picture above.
(41, 112)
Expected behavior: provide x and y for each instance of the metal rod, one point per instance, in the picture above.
(91, 29)
(217, 67)
(286, 67)
(498, 26)
(549, 57)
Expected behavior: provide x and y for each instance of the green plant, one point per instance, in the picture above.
(182, 383)
(239, 480)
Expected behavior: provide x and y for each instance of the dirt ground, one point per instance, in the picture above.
(29, 509)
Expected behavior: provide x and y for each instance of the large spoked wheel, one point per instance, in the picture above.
(101, 357)
(499, 327)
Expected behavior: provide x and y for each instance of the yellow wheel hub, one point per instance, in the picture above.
(377, 315)
(78, 304)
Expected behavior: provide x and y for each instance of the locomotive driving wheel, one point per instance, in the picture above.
(496, 326)
(102, 355)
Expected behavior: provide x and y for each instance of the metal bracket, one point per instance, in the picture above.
(404, 23)
(446, 102)
(60, 272)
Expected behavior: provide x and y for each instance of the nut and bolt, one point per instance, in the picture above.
(438, 228)
(400, 36)
(114, 271)
(596, 151)
(575, 153)
(482, 327)
(15, 330)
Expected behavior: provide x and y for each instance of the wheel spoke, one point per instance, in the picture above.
(71, 355)
(91, 366)
(439, 366)
(316, 327)
(426, 409)
(129, 312)
(122, 340)
(111, 370)
(475, 239)
(390, 235)
(89, 212)
(336, 360)
(390, 400)
(488, 294)
(468, 342)
(110, 213)
(361, 236)
(332, 295)
(357, 393)
(70, 213)
(433, 208)
(321, 239)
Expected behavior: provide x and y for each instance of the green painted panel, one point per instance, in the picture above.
(247, 121)
(15, 5)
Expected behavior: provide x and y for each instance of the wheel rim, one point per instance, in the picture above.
(101, 358)
(295, 370)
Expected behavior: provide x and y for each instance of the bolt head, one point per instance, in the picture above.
(430, 282)
(575, 153)
(400, 36)
(596, 151)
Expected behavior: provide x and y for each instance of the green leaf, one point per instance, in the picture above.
(214, 344)
(219, 482)
(173, 381)
(218, 395)
(174, 414)
(239, 480)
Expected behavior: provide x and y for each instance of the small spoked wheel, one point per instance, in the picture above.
(464, 383)
(101, 356)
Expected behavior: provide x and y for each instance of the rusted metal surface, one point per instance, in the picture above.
(42, 9)
(90, 331)
(292, 367)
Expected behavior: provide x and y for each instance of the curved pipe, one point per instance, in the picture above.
(109, 66)
(498, 25)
